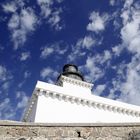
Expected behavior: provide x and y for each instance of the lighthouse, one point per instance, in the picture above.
(71, 100)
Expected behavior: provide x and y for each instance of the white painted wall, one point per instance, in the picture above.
(52, 110)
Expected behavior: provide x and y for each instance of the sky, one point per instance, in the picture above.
(38, 37)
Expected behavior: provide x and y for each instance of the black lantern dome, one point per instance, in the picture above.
(70, 70)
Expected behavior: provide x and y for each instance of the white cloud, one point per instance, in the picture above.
(103, 58)
(24, 56)
(59, 1)
(5, 79)
(112, 2)
(130, 32)
(28, 19)
(27, 74)
(99, 89)
(23, 99)
(14, 21)
(76, 52)
(94, 64)
(107, 56)
(52, 15)
(128, 4)
(5, 74)
(117, 50)
(45, 7)
(24, 20)
(45, 11)
(46, 52)
(97, 22)
(21, 25)
(20, 84)
(9, 7)
(54, 19)
(130, 29)
(5, 85)
(128, 74)
(47, 73)
(6, 110)
(48, 2)
(61, 49)
(4, 103)
(86, 42)
(79, 49)
(1, 48)
(94, 72)
(130, 89)
(56, 48)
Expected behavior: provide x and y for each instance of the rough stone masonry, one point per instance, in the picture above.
(10, 130)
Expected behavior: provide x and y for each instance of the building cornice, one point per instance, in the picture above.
(78, 101)
(76, 82)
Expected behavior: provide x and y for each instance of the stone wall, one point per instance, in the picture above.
(32, 131)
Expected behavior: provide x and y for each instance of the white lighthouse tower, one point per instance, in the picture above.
(71, 101)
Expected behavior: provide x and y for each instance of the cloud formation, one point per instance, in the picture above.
(58, 48)
(20, 25)
(87, 42)
(9, 7)
(94, 65)
(24, 56)
(48, 74)
(6, 111)
(50, 14)
(97, 22)
(3, 73)
(127, 81)
(22, 99)
(5, 79)
(24, 20)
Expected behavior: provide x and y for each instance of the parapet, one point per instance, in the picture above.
(10, 130)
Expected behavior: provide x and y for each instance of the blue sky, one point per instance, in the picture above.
(102, 37)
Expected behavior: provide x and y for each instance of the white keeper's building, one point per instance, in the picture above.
(71, 101)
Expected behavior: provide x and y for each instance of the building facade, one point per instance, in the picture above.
(72, 101)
